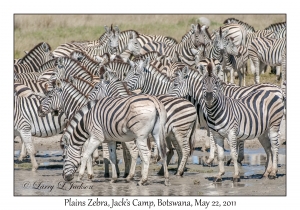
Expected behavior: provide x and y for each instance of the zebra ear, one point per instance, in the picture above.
(185, 71)
(218, 69)
(45, 47)
(193, 27)
(194, 51)
(107, 29)
(201, 69)
(116, 28)
(131, 35)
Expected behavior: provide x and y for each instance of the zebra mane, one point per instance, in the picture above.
(47, 65)
(248, 27)
(146, 55)
(173, 39)
(126, 88)
(84, 55)
(209, 69)
(78, 63)
(33, 49)
(275, 25)
(126, 31)
(83, 80)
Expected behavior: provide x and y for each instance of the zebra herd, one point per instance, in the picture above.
(136, 88)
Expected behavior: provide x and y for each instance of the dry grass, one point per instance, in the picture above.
(58, 29)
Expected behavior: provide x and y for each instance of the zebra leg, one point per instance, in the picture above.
(231, 75)
(265, 142)
(23, 152)
(145, 155)
(27, 140)
(241, 151)
(212, 150)
(183, 150)
(170, 154)
(256, 64)
(127, 159)
(105, 159)
(274, 136)
(219, 141)
(278, 73)
(112, 146)
(234, 155)
(87, 155)
(241, 77)
(95, 156)
(133, 154)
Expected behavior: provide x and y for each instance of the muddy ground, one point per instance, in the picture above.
(197, 179)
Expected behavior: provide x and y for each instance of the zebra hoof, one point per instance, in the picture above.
(272, 176)
(236, 179)
(90, 176)
(217, 179)
(106, 175)
(118, 175)
(125, 175)
(140, 183)
(113, 181)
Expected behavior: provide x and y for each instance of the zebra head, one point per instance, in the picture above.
(133, 45)
(52, 102)
(220, 41)
(136, 76)
(113, 39)
(180, 85)
(210, 86)
(216, 66)
(69, 168)
(47, 52)
(197, 37)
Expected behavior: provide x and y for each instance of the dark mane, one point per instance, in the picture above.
(79, 78)
(228, 21)
(137, 33)
(126, 88)
(275, 25)
(209, 69)
(84, 54)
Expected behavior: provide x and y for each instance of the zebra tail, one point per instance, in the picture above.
(161, 119)
(193, 136)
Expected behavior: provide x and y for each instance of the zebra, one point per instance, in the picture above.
(66, 66)
(113, 119)
(110, 45)
(188, 83)
(275, 27)
(201, 33)
(31, 62)
(266, 51)
(27, 123)
(29, 75)
(224, 49)
(246, 26)
(181, 121)
(257, 115)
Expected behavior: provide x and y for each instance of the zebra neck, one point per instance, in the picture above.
(72, 100)
(156, 83)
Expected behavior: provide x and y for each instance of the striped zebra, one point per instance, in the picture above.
(266, 51)
(31, 62)
(201, 33)
(66, 67)
(27, 122)
(276, 27)
(189, 83)
(110, 45)
(246, 26)
(181, 121)
(224, 49)
(115, 119)
(257, 115)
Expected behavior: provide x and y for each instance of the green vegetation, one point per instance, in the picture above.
(29, 30)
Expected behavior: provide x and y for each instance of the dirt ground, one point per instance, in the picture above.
(197, 179)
